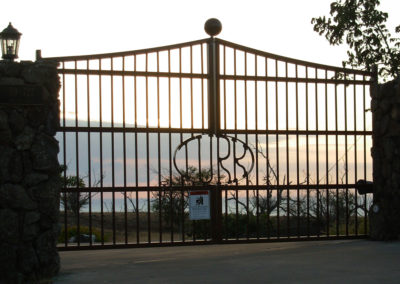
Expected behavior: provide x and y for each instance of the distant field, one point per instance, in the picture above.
(122, 228)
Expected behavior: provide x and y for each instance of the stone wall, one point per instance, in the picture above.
(29, 172)
(385, 212)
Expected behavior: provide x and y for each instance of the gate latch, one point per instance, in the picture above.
(364, 186)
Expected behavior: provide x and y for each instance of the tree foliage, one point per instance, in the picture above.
(362, 26)
(74, 200)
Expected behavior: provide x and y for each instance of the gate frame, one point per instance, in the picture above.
(214, 78)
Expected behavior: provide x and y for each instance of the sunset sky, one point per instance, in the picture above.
(75, 27)
(67, 28)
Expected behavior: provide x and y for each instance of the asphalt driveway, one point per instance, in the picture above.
(353, 261)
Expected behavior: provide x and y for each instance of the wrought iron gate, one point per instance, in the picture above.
(280, 143)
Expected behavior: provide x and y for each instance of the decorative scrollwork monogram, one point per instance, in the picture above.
(231, 166)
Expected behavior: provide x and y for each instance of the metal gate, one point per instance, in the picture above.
(278, 143)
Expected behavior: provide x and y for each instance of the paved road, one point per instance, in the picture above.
(355, 261)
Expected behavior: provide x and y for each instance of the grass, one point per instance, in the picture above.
(134, 232)
(145, 228)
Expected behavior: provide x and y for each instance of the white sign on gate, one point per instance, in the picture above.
(199, 205)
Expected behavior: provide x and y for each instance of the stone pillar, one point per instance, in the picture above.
(385, 212)
(29, 172)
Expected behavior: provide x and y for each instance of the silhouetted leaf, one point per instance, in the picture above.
(363, 27)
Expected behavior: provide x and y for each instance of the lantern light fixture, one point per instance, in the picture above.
(9, 38)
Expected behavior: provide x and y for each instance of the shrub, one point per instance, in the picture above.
(83, 230)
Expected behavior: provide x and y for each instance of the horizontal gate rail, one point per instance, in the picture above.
(126, 53)
(292, 60)
(131, 73)
(290, 80)
(199, 187)
(110, 129)
(141, 129)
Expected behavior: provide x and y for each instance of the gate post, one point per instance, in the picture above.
(214, 27)
(216, 214)
(29, 172)
(385, 213)
(213, 87)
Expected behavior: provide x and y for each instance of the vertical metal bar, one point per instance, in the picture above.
(78, 188)
(218, 165)
(287, 153)
(214, 229)
(297, 155)
(218, 201)
(136, 155)
(214, 233)
(200, 181)
(202, 88)
(355, 157)
(101, 156)
(202, 99)
(180, 93)
(307, 158)
(214, 125)
(337, 162)
(256, 142)
(269, 190)
(327, 158)
(346, 164)
(225, 103)
(124, 152)
(365, 156)
(148, 153)
(159, 153)
(236, 195)
(218, 155)
(246, 136)
(182, 221)
(64, 161)
(192, 126)
(279, 191)
(234, 149)
(227, 232)
(171, 199)
(160, 198)
(317, 152)
(89, 155)
(213, 86)
(220, 188)
(191, 89)
(112, 154)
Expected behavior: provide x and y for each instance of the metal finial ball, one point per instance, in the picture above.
(213, 27)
